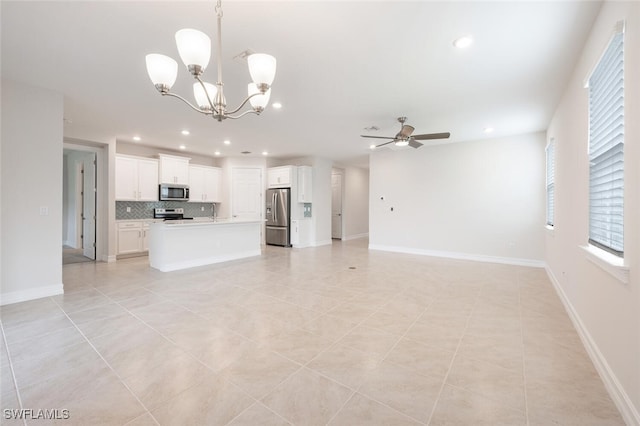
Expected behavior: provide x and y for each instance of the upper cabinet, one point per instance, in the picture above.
(136, 179)
(174, 169)
(204, 184)
(305, 184)
(280, 177)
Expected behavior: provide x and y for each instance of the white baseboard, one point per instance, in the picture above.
(109, 258)
(620, 398)
(30, 294)
(356, 236)
(461, 256)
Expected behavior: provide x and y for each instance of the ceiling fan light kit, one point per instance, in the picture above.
(194, 48)
(404, 136)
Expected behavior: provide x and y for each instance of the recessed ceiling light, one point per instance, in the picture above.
(182, 147)
(463, 42)
(276, 105)
(216, 153)
(372, 147)
(137, 138)
(488, 129)
(265, 153)
(227, 142)
(185, 132)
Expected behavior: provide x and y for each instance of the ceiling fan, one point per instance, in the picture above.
(404, 137)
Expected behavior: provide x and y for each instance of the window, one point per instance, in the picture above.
(606, 142)
(551, 165)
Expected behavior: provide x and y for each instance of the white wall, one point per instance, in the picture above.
(605, 310)
(355, 207)
(31, 179)
(321, 201)
(482, 200)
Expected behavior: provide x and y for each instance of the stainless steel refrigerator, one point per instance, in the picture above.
(278, 217)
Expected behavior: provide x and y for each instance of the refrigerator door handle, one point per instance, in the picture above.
(275, 207)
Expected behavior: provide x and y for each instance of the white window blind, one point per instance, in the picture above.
(551, 166)
(606, 142)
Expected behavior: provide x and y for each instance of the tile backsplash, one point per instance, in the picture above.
(144, 210)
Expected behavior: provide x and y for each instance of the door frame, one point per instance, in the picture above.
(102, 192)
(338, 172)
(262, 171)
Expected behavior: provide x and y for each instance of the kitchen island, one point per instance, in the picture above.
(185, 244)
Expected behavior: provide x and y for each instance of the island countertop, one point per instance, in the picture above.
(181, 244)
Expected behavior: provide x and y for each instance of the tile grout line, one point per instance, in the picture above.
(13, 374)
(524, 368)
(453, 359)
(107, 363)
(196, 359)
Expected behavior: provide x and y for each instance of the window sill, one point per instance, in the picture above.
(614, 265)
(549, 230)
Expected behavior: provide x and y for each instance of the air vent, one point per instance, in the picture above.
(245, 152)
(372, 128)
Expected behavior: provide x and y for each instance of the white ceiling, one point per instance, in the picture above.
(342, 66)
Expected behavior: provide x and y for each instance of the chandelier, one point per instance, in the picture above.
(194, 48)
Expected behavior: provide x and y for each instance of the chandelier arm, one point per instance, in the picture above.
(242, 115)
(206, 93)
(201, 111)
(245, 102)
(219, 19)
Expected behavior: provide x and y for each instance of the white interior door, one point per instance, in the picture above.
(336, 206)
(246, 193)
(89, 208)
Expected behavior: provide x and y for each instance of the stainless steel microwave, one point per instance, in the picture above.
(173, 192)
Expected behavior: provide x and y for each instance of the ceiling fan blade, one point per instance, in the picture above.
(378, 137)
(414, 143)
(429, 136)
(386, 143)
(406, 131)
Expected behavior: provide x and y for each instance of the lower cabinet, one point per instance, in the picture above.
(133, 237)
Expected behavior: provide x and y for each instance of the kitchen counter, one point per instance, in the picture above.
(181, 244)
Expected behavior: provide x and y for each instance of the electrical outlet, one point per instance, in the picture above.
(128, 209)
(202, 208)
(44, 211)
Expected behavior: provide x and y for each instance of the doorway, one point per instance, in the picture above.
(79, 206)
(336, 206)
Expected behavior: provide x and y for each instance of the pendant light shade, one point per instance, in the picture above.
(258, 102)
(194, 47)
(201, 96)
(262, 68)
(162, 70)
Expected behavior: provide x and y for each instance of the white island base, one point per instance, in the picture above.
(181, 244)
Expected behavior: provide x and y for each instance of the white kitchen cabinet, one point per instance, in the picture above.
(145, 236)
(305, 184)
(136, 179)
(174, 169)
(280, 177)
(133, 237)
(301, 233)
(204, 184)
(129, 237)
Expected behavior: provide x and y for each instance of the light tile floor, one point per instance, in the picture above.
(334, 335)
